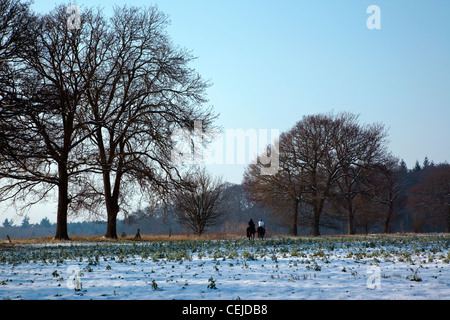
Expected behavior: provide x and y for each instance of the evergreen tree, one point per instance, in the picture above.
(403, 165)
(426, 162)
(45, 223)
(25, 222)
(416, 167)
(7, 223)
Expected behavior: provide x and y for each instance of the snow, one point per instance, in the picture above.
(329, 268)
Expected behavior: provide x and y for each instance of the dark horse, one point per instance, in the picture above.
(261, 232)
(251, 233)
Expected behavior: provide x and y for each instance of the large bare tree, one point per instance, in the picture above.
(46, 90)
(390, 191)
(281, 192)
(358, 149)
(321, 156)
(140, 89)
(103, 97)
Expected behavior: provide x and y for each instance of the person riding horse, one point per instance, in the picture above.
(251, 230)
(261, 229)
(261, 223)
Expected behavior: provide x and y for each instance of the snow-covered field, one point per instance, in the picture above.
(372, 267)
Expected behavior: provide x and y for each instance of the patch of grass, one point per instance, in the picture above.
(212, 283)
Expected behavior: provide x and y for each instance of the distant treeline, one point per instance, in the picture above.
(239, 212)
(411, 217)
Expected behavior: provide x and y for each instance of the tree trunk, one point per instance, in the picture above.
(366, 228)
(63, 204)
(317, 205)
(294, 218)
(350, 217)
(387, 220)
(111, 227)
(315, 222)
(112, 203)
(111, 198)
(315, 226)
(112, 210)
(447, 220)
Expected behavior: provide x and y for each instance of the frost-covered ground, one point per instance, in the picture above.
(394, 267)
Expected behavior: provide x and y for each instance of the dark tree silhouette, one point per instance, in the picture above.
(104, 98)
(201, 204)
(431, 198)
(47, 126)
(323, 155)
(140, 89)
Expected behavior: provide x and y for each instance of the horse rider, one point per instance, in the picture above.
(251, 224)
(261, 224)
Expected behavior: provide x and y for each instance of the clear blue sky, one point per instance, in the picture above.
(271, 62)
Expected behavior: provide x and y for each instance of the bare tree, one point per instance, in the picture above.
(321, 157)
(202, 203)
(303, 175)
(366, 211)
(49, 127)
(140, 89)
(310, 147)
(282, 192)
(389, 191)
(357, 148)
(105, 99)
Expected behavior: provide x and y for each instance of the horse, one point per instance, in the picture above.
(261, 232)
(251, 233)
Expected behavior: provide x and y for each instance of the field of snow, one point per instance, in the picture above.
(325, 268)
